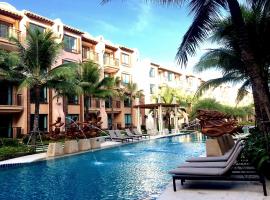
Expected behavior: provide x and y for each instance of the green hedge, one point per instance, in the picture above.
(8, 152)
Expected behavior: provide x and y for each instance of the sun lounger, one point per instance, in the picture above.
(136, 132)
(120, 135)
(223, 158)
(130, 134)
(217, 164)
(228, 173)
(114, 137)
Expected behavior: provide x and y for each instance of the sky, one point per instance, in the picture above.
(155, 30)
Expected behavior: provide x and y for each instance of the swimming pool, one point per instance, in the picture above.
(133, 171)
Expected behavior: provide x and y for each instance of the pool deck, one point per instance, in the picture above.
(215, 190)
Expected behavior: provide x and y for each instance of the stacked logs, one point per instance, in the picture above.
(214, 123)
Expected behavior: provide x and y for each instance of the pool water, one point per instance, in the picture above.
(133, 171)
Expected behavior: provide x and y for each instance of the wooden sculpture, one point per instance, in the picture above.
(214, 123)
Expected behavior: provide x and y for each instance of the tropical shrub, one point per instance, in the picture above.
(212, 104)
(257, 152)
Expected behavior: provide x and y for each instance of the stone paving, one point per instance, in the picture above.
(215, 190)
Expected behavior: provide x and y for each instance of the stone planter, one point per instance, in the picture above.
(95, 142)
(213, 148)
(71, 146)
(55, 149)
(84, 145)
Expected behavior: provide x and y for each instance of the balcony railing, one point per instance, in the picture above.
(111, 61)
(10, 33)
(95, 103)
(90, 55)
(113, 104)
(18, 101)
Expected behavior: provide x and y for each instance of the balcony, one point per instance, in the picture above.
(90, 55)
(5, 35)
(94, 104)
(15, 107)
(111, 64)
(113, 106)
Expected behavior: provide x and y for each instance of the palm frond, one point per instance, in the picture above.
(242, 91)
(214, 83)
(206, 12)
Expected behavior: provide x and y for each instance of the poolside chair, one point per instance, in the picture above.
(216, 164)
(120, 135)
(228, 173)
(136, 132)
(114, 137)
(222, 158)
(130, 134)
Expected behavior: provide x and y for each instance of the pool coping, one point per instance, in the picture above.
(20, 161)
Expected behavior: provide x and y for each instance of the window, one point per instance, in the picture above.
(106, 75)
(125, 78)
(66, 61)
(6, 92)
(152, 88)
(4, 30)
(85, 52)
(108, 102)
(108, 58)
(72, 118)
(127, 102)
(70, 43)
(125, 59)
(73, 100)
(34, 27)
(170, 76)
(152, 72)
(127, 120)
(43, 98)
(42, 122)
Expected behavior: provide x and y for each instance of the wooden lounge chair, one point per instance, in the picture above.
(136, 132)
(229, 173)
(120, 135)
(130, 134)
(114, 137)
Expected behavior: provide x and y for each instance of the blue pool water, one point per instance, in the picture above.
(134, 171)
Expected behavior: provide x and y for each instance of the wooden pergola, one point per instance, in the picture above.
(157, 108)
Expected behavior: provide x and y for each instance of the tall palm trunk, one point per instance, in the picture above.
(65, 109)
(131, 111)
(37, 90)
(86, 106)
(253, 69)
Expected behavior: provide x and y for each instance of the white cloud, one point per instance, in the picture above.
(143, 17)
(108, 27)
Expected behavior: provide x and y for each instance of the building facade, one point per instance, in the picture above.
(17, 106)
(152, 76)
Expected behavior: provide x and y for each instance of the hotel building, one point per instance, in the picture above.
(16, 106)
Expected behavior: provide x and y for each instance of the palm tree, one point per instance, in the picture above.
(131, 89)
(227, 58)
(205, 13)
(34, 70)
(88, 78)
